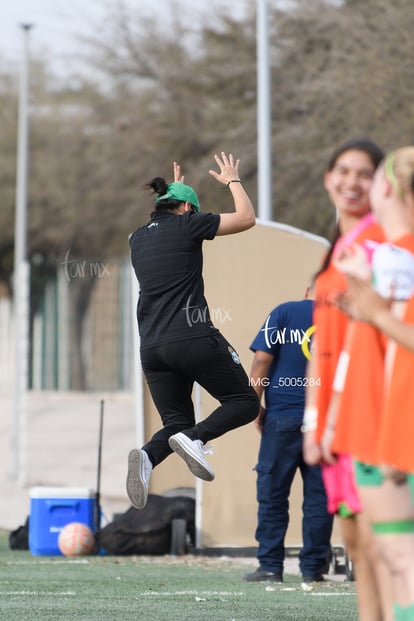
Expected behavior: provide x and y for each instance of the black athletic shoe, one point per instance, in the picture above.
(313, 578)
(261, 575)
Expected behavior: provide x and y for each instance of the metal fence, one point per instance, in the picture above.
(81, 326)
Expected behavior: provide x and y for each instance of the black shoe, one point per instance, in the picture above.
(261, 575)
(313, 578)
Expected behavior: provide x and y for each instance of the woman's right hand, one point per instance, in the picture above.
(178, 177)
(362, 302)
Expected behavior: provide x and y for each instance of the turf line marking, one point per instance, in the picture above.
(48, 593)
(204, 593)
(63, 562)
(332, 594)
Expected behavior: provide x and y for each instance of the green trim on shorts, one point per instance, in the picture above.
(403, 613)
(367, 475)
(407, 613)
(410, 481)
(344, 511)
(394, 527)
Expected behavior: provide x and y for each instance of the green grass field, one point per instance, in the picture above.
(190, 588)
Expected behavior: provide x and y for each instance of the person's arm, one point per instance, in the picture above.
(398, 330)
(338, 386)
(259, 373)
(244, 216)
(370, 306)
(329, 430)
(311, 448)
(362, 302)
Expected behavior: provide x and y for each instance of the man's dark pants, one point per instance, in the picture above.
(280, 456)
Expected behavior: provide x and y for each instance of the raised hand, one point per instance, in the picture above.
(178, 177)
(229, 169)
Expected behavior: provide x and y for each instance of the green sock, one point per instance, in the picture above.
(398, 613)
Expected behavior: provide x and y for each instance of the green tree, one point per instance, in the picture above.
(168, 89)
(8, 130)
(339, 72)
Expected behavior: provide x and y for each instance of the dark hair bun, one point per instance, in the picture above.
(158, 185)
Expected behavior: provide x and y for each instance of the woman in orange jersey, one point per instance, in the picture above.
(381, 429)
(395, 442)
(347, 180)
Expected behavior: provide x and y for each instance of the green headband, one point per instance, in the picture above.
(390, 174)
(181, 192)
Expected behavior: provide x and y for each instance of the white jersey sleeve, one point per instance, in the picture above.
(393, 271)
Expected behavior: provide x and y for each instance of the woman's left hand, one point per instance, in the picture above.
(178, 177)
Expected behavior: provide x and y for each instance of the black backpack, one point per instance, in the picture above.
(166, 525)
(19, 538)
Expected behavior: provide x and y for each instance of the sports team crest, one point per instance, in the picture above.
(234, 355)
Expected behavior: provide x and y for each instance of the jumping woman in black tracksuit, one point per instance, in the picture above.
(179, 343)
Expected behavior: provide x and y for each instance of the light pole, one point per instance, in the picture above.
(21, 282)
(264, 115)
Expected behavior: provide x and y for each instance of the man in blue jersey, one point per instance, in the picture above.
(282, 348)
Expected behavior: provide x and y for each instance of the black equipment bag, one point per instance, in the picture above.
(19, 538)
(151, 530)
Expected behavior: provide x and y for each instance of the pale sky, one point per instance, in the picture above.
(57, 22)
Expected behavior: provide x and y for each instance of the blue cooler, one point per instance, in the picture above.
(51, 508)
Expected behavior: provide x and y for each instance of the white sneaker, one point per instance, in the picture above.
(192, 451)
(139, 472)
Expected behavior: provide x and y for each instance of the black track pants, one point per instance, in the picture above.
(171, 370)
